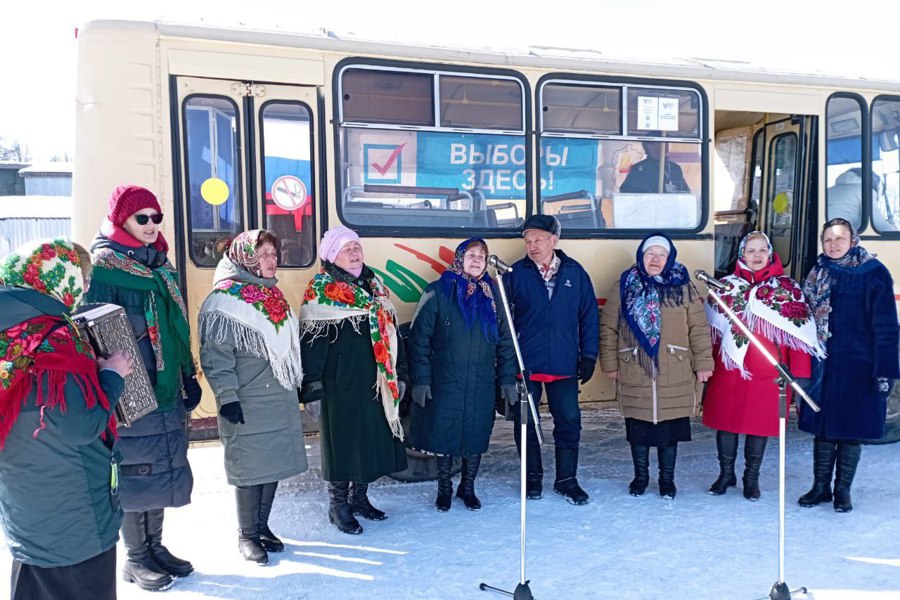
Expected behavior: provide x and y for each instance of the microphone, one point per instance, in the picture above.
(710, 281)
(498, 264)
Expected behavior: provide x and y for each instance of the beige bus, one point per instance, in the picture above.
(418, 147)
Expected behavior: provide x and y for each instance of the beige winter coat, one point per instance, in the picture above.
(685, 348)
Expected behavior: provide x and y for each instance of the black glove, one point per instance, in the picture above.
(192, 392)
(510, 393)
(310, 392)
(232, 412)
(586, 369)
(884, 385)
(421, 393)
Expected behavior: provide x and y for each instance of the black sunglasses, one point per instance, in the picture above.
(143, 219)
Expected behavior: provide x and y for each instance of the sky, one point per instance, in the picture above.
(694, 547)
(39, 49)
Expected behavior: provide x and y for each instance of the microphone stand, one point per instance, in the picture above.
(780, 590)
(522, 591)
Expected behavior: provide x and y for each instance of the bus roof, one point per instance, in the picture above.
(547, 57)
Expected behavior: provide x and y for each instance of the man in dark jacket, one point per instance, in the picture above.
(556, 318)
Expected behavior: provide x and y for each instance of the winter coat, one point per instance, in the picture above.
(356, 440)
(863, 346)
(463, 368)
(155, 472)
(268, 446)
(553, 333)
(732, 403)
(684, 349)
(56, 503)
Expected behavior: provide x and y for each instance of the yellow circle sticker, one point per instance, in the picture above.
(780, 203)
(214, 191)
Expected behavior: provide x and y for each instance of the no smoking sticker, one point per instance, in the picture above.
(289, 192)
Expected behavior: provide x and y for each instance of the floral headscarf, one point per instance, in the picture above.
(642, 296)
(253, 310)
(51, 267)
(243, 251)
(770, 304)
(473, 294)
(42, 347)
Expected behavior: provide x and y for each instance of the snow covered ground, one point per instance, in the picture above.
(694, 547)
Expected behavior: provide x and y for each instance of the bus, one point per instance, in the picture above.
(418, 147)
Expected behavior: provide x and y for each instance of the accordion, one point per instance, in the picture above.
(107, 328)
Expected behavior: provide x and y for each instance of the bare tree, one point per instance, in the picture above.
(13, 150)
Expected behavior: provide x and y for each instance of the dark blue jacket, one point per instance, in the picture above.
(862, 347)
(463, 368)
(554, 334)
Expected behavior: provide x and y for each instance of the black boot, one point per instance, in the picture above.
(139, 567)
(174, 566)
(566, 483)
(754, 450)
(824, 453)
(248, 499)
(640, 455)
(339, 511)
(666, 457)
(359, 502)
(845, 470)
(466, 488)
(534, 468)
(445, 485)
(269, 540)
(726, 446)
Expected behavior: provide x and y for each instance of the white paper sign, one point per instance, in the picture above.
(648, 112)
(668, 114)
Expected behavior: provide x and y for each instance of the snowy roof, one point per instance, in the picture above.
(12, 164)
(48, 167)
(35, 207)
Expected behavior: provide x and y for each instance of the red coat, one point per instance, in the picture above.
(740, 406)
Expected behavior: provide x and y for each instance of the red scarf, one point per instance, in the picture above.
(45, 351)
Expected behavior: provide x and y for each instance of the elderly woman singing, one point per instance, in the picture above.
(350, 350)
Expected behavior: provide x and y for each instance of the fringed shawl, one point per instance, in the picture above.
(259, 320)
(334, 295)
(771, 305)
(44, 349)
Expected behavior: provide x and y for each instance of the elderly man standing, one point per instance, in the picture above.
(555, 315)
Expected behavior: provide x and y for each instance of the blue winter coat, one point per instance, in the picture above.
(554, 333)
(463, 368)
(863, 345)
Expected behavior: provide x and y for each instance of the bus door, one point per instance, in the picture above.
(246, 153)
(784, 159)
(247, 161)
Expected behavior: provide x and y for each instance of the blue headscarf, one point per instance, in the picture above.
(473, 294)
(642, 295)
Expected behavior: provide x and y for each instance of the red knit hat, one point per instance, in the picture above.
(127, 200)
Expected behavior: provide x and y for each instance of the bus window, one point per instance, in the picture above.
(780, 214)
(213, 167)
(886, 163)
(431, 150)
(602, 167)
(286, 148)
(844, 153)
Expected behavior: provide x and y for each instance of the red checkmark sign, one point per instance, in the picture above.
(389, 162)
